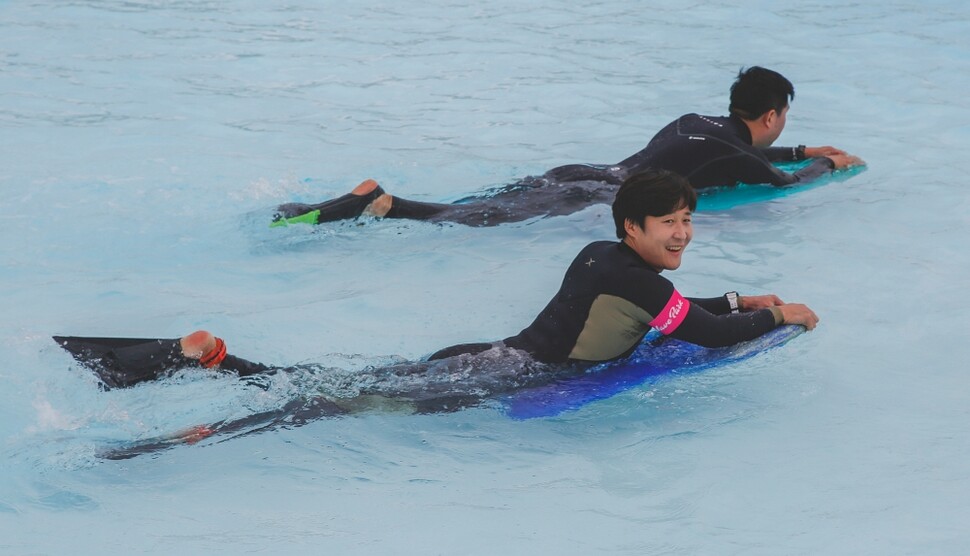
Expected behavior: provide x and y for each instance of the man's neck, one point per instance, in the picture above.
(754, 131)
(627, 243)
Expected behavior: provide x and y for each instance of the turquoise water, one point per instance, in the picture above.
(145, 144)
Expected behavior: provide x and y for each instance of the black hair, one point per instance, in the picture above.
(758, 90)
(651, 192)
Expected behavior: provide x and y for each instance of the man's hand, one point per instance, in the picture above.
(756, 302)
(818, 152)
(843, 161)
(796, 313)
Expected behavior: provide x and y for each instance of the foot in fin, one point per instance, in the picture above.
(347, 206)
(204, 347)
(279, 219)
(197, 343)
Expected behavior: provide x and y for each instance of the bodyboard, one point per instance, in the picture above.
(656, 356)
(727, 197)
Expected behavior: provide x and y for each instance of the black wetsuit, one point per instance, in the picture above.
(609, 299)
(716, 150)
(562, 190)
(708, 150)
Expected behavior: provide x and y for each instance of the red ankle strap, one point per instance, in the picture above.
(214, 357)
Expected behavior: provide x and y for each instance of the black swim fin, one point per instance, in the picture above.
(88, 349)
(124, 362)
(342, 208)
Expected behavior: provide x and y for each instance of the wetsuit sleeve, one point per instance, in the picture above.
(818, 168)
(706, 329)
(784, 154)
(715, 305)
(753, 171)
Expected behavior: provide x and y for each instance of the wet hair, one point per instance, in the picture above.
(651, 192)
(758, 90)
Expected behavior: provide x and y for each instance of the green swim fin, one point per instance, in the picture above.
(305, 218)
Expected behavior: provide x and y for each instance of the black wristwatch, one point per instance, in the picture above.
(800, 152)
(732, 299)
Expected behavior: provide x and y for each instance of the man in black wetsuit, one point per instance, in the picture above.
(715, 151)
(611, 296)
(707, 150)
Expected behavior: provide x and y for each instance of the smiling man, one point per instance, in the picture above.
(613, 293)
(611, 296)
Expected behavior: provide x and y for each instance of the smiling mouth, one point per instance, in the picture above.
(675, 248)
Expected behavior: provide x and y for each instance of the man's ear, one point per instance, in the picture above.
(629, 226)
(768, 118)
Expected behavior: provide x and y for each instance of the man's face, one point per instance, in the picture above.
(662, 240)
(775, 124)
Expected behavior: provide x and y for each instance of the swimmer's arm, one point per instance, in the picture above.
(817, 168)
(746, 303)
(785, 154)
(753, 167)
(709, 330)
(801, 152)
(839, 158)
(715, 305)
